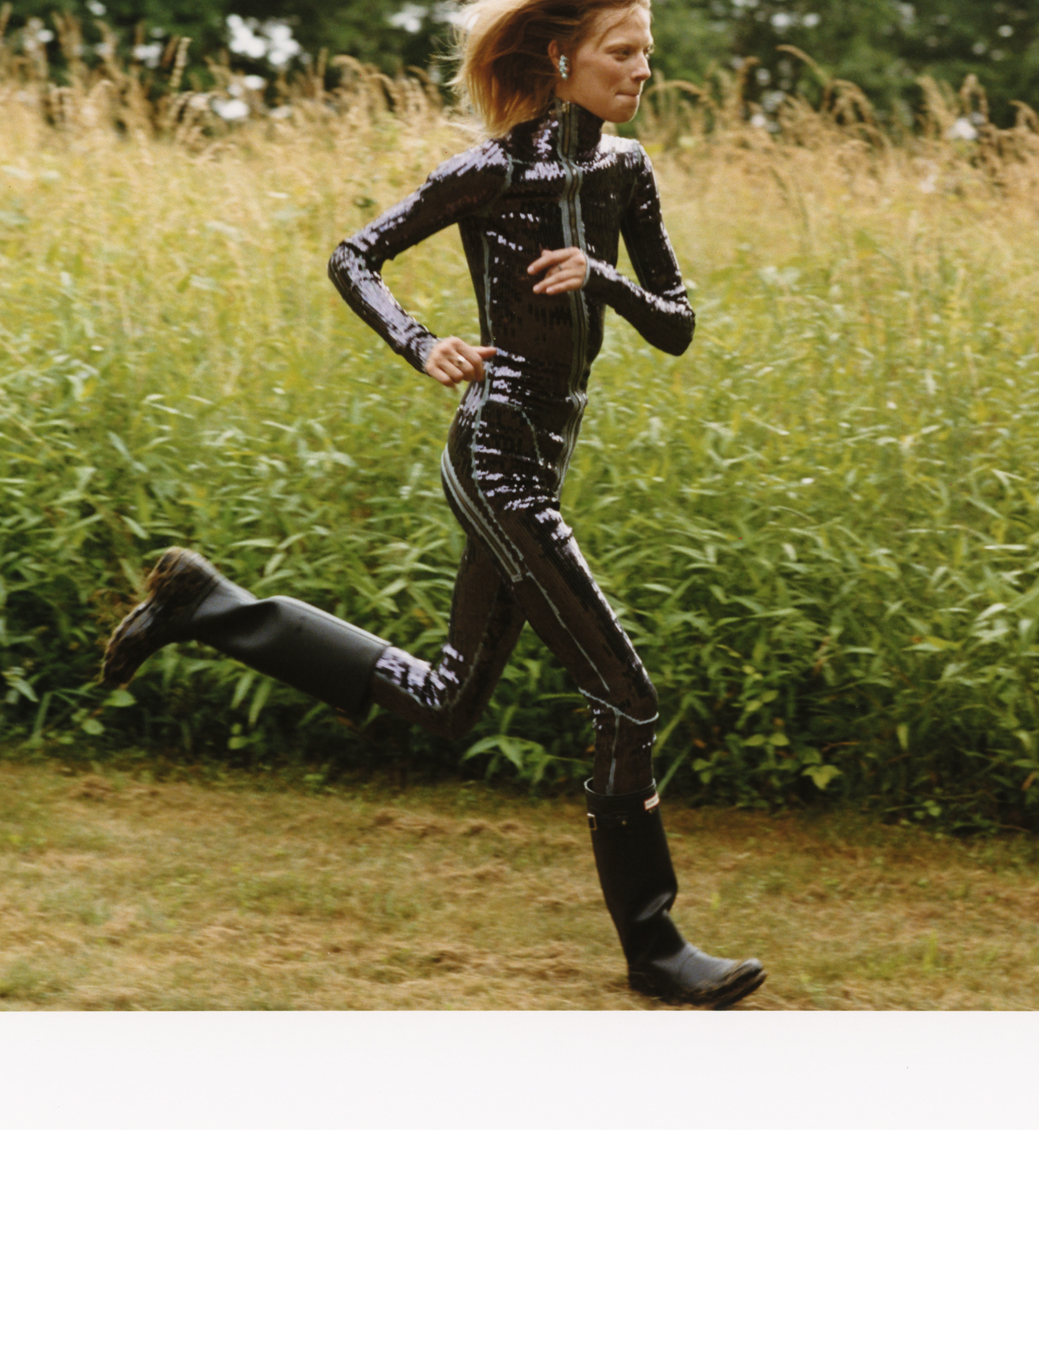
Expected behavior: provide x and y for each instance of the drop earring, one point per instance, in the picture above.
(564, 67)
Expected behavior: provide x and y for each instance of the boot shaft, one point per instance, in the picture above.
(635, 871)
(293, 642)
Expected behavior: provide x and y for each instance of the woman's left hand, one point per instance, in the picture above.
(565, 270)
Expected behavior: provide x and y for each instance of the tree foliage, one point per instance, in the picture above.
(386, 33)
(884, 46)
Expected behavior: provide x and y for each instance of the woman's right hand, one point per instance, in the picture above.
(451, 361)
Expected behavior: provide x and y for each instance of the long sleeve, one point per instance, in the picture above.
(658, 308)
(462, 186)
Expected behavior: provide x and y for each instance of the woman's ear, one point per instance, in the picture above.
(553, 53)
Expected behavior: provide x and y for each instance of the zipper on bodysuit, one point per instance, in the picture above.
(573, 233)
(573, 237)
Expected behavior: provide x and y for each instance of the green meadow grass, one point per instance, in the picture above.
(819, 525)
(177, 885)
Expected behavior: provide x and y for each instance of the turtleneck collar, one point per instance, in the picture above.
(577, 130)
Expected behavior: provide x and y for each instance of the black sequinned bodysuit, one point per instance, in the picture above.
(552, 184)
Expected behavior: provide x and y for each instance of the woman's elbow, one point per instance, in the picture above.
(679, 335)
(339, 267)
(355, 263)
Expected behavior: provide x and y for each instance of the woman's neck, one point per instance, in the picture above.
(579, 129)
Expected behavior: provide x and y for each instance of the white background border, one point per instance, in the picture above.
(519, 1071)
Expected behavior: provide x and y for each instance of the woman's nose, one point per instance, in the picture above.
(642, 72)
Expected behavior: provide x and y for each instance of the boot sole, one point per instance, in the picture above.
(755, 982)
(179, 581)
(718, 999)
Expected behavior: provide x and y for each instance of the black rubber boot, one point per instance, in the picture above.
(287, 639)
(639, 885)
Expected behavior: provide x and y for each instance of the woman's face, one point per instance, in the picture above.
(608, 69)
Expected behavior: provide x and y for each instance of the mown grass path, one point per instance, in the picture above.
(218, 890)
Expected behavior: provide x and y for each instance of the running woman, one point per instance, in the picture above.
(541, 207)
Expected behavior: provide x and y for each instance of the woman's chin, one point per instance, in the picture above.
(620, 108)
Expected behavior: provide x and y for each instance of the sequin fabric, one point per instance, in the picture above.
(551, 184)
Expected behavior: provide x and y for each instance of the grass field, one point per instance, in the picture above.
(162, 887)
(820, 526)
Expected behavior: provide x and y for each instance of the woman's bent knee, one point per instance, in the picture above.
(646, 706)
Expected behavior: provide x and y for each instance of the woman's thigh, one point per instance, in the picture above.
(503, 485)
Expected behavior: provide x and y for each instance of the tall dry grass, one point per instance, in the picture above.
(824, 543)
